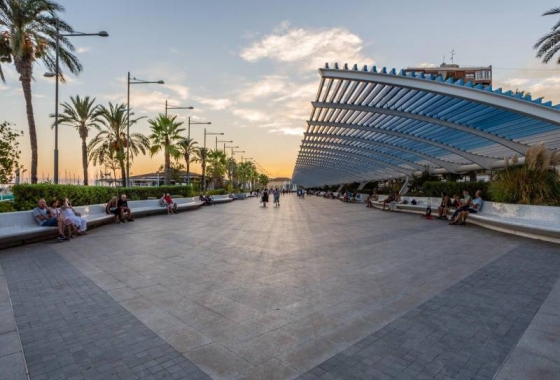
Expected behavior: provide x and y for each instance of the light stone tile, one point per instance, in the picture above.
(266, 346)
(217, 361)
(273, 369)
(310, 354)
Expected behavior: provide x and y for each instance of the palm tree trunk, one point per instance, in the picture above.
(167, 166)
(123, 168)
(85, 161)
(203, 174)
(188, 162)
(26, 71)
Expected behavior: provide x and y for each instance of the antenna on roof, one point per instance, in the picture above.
(452, 55)
(443, 62)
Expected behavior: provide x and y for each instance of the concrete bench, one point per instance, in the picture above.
(20, 228)
(217, 199)
(537, 222)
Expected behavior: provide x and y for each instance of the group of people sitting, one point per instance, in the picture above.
(206, 199)
(463, 207)
(70, 223)
(119, 208)
(167, 202)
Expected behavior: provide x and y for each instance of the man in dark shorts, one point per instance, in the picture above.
(122, 204)
(40, 214)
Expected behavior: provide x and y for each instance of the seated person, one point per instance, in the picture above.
(171, 206)
(40, 214)
(54, 212)
(476, 206)
(74, 217)
(456, 203)
(112, 208)
(465, 204)
(389, 199)
(122, 204)
(345, 197)
(162, 202)
(207, 201)
(443, 208)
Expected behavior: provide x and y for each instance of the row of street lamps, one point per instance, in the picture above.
(130, 80)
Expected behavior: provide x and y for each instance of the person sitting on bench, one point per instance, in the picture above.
(476, 207)
(40, 214)
(389, 199)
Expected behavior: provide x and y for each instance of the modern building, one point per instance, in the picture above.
(282, 183)
(476, 74)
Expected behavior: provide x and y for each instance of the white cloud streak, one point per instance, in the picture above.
(309, 48)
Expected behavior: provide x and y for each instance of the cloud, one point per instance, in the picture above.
(180, 90)
(83, 49)
(515, 82)
(269, 85)
(426, 64)
(309, 48)
(251, 115)
(215, 104)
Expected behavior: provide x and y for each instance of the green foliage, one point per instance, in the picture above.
(7, 207)
(535, 182)
(217, 192)
(434, 189)
(9, 152)
(26, 196)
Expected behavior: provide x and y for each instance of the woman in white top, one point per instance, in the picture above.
(54, 212)
(68, 213)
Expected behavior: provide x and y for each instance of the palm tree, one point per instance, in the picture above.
(166, 135)
(246, 172)
(83, 115)
(263, 179)
(187, 149)
(28, 34)
(549, 44)
(201, 155)
(218, 165)
(111, 140)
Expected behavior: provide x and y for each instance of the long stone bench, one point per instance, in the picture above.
(19, 227)
(537, 222)
(217, 199)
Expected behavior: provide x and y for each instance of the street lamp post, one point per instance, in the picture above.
(220, 141)
(206, 156)
(176, 108)
(56, 74)
(129, 82)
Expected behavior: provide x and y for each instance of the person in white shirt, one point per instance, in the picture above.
(475, 207)
(68, 213)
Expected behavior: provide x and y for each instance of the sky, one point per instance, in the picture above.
(251, 67)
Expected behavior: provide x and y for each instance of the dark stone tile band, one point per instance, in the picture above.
(71, 329)
(465, 333)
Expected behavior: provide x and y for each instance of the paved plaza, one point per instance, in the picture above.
(315, 289)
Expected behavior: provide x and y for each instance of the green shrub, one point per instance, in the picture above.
(26, 196)
(434, 189)
(217, 192)
(7, 206)
(533, 183)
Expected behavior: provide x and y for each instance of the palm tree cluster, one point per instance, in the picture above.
(29, 30)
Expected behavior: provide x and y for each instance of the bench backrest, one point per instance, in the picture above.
(545, 213)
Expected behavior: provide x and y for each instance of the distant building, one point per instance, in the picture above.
(477, 75)
(152, 179)
(280, 183)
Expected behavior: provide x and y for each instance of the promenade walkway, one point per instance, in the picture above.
(315, 289)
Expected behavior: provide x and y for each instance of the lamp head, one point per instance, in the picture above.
(49, 75)
(103, 34)
(160, 82)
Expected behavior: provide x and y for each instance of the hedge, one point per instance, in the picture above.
(26, 196)
(434, 189)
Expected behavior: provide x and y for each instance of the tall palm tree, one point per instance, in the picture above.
(218, 165)
(549, 44)
(246, 172)
(187, 149)
(166, 135)
(83, 115)
(111, 140)
(27, 35)
(201, 155)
